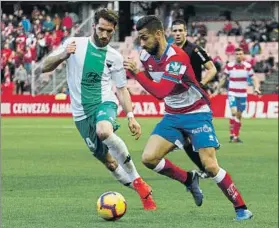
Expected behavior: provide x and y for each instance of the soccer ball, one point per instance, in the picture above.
(111, 206)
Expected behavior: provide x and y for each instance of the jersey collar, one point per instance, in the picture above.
(94, 45)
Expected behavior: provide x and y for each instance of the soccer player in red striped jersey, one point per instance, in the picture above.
(238, 72)
(169, 75)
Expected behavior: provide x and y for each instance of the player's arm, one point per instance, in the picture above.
(256, 81)
(119, 77)
(223, 80)
(170, 78)
(210, 72)
(58, 56)
(207, 62)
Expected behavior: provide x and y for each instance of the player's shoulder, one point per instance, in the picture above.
(144, 55)
(230, 64)
(176, 53)
(113, 53)
(247, 64)
(78, 40)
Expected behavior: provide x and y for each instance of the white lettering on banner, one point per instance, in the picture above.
(260, 110)
(60, 108)
(256, 109)
(162, 108)
(145, 108)
(33, 108)
(149, 108)
(272, 109)
(5, 108)
(250, 110)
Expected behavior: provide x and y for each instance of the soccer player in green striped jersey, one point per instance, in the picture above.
(92, 68)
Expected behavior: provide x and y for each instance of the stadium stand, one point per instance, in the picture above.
(28, 38)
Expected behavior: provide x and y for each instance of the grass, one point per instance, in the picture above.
(50, 179)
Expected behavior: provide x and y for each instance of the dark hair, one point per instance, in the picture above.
(179, 22)
(106, 14)
(151, 23)
(238, 49)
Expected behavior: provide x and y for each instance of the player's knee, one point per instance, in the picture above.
(149, 160)
(238, 115)
(111, 165)
(104, 130)
(209, 161)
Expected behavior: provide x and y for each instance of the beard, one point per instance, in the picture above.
(154, 50)
(100, 42)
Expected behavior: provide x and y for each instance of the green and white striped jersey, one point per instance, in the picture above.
(90, 72)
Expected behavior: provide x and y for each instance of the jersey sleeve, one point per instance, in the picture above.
(177, 68)
(202, 55)
(119, 74)
(226, 70)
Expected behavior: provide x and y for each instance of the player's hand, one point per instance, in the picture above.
(257, 91)
(135, 128)
(131, 66)
(71, 48)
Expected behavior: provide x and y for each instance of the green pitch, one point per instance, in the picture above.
(50, 179)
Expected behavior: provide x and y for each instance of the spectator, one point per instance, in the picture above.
(27, 60)
(200, 41)
(35, 13)
(230, 49)
(193, 29)
(56, 21)
(236, 29)
(256, 49)
(20, 79)
(26, 24)
(243, 44)
(5, 19)
(11, 42)
(48, 25)
(67, 21)
(37, 26)
(202, 29)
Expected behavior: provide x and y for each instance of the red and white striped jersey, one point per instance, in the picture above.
(238, 75)
(175, 66)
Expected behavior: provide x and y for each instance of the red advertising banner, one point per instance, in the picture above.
(265, 106)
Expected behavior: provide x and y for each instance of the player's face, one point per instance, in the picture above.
(239, 56)
(149, 41)
(179, 34)
(103, 32)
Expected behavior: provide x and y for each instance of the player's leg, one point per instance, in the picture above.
(194, 156)
(105, 127)
(233, 107)
(204, 140)
(224, 182)
(163, 140)
(100, 151)
(241, 105)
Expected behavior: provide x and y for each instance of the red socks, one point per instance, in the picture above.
(235, 126)
(225, 183)
(167, 168)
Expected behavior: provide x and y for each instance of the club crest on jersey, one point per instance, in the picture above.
(150, 68)
(174, 68)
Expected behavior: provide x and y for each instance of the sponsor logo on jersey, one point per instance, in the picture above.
(174, 68)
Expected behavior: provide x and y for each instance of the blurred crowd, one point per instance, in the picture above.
(26, 39)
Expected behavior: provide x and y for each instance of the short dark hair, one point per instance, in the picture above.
(150, 22)
(238, 49)
(106, 14)
(179, 22)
